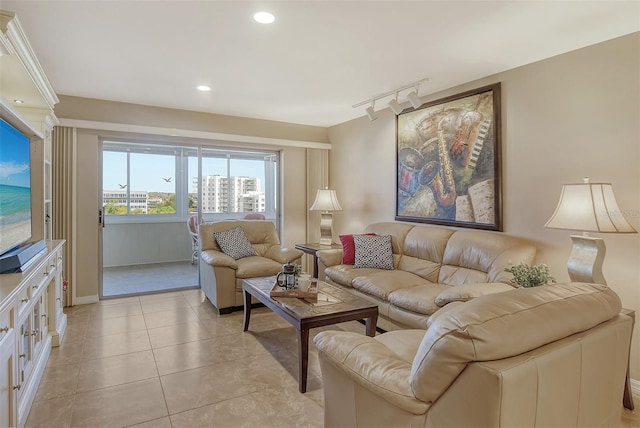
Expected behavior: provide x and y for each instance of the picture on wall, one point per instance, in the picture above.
(448, 161)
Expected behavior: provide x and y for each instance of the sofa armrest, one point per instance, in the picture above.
(464, 292)
(331, 257)
(282, 254)
(218, 259)
(372, 365)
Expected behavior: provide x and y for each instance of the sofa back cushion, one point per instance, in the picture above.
(398, 232)
(423, 251)
(472, 257)
(261, 234)
(503, 325)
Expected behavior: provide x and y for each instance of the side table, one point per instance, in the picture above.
(627, 398)
(311, 248)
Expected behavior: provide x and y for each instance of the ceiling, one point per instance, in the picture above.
(311, 65)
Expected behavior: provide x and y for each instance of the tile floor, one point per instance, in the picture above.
(149, 278)
(168, 360)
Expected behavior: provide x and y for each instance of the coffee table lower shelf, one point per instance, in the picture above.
(334, 306)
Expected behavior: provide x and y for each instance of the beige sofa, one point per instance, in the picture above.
(432, 267)
(554, 355)
(221, 276)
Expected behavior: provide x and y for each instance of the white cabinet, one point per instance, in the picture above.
(31, 321)
(8, 381)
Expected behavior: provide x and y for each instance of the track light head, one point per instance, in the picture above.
(395, 105)
(414, 99)
(371, 113)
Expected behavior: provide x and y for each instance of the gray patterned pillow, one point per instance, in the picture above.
(373, 251)
(234, 243)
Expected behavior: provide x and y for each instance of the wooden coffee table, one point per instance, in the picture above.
(333, 306)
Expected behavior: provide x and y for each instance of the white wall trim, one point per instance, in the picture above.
(187, 133)
(85, 300)
(14, 33)
(635, 386)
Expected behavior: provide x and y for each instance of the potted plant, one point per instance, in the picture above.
(530, 275)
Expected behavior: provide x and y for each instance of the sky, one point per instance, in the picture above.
(156, 173)
(14, 156)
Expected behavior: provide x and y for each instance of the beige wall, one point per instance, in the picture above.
(563, 118)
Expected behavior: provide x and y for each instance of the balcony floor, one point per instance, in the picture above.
(150, 278)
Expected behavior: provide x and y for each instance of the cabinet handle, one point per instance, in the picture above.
(52, 265)
(22, 355)
(4, 329)
(34, 333)
(59, 257)
(58, 298)
(44, 315)
(25, 300)
(16, 387)
(34, 286)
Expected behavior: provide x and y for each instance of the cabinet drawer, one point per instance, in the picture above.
(6, 324)
(23, 300)
(43, 276)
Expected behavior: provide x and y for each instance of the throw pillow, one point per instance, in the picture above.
(373, 251)
(349, 248)
(234, 243)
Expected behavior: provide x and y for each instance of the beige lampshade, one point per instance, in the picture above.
(589, 207)
(326, 200)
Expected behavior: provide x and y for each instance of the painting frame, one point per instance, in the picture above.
(448, 161)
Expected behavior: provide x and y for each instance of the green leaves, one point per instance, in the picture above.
(530, 275)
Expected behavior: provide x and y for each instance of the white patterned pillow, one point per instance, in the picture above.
(373, 251)
(234, 243)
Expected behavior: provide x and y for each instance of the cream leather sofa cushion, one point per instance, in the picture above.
(478, 257)
(398, 232)
(500, 325)
(381, 283)
(419, 299)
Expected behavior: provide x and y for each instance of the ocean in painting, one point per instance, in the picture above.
(15, 204)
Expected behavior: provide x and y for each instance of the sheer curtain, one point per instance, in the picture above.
(63, 204)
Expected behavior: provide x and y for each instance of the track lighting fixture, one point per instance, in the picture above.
(414, 99)
(370, 112)
(397, 108)
(395, 105)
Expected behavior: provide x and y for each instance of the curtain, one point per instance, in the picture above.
(317, 178)
(63, 145)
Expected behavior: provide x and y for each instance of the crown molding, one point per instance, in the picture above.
(187, 133)
(14, 39)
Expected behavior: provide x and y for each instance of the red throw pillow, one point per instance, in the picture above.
(349, 248)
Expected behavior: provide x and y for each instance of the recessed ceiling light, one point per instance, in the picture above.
(203, 88)
(264, 17)
(18, 101)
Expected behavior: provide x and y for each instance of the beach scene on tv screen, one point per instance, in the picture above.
(15, 188)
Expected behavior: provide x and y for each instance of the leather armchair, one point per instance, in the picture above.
(221, 276)
(554, 355)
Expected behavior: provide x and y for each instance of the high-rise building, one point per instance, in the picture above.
(238, 194)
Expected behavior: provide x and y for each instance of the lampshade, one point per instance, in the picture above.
(589, 207)
(326, 200)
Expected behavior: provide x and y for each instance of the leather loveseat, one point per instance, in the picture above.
(548, 356)
(221, 276)
(432, 266)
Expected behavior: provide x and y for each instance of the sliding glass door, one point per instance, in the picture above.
(150, 194)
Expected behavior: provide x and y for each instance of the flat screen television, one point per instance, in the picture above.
(15, 188)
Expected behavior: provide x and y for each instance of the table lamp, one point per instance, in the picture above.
(326, 201)
(589, 207)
